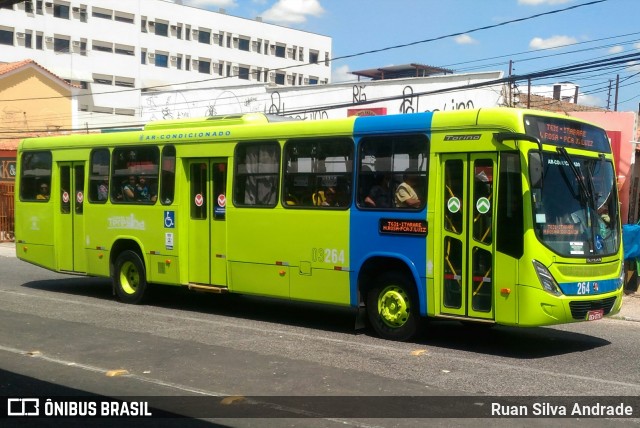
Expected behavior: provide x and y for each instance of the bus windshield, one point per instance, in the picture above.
(575, 206)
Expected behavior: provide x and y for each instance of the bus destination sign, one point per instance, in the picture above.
(565, 133)
(403, 227)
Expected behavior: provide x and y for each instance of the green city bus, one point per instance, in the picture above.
(495, 216)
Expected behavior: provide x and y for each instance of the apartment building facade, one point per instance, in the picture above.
(117, 49)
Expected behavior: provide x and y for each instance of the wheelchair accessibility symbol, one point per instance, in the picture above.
(169, 219)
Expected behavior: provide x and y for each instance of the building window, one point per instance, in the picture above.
(6, 37)
(143, 25)
(39, 4)
(179, 62)
(243, 73)
(162, 60)
(161, 29)
(243, 44)
(124, 17)
(125, 50)
(28, 6)
(61, 11)
(83, 48)
(313, 57)
(204, 37)
(102, 46)
(28, 40)
(179, 31)
(39, 41)
(280, 51)
(103, 79)
(143, 57)
(61, 45)
(204, 67)
(126, 82)
(280, 78)
(313, 80)
(101, 13)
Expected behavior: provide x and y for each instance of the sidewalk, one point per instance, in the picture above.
(630, 302)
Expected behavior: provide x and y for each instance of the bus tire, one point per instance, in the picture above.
(130, 279)
(392, 307)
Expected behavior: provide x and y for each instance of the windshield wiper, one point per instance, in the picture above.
(588, 195)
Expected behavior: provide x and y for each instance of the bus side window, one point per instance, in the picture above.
(385, 164)
(35, 176)
(318, 172)
(168, 178)
(99, 176)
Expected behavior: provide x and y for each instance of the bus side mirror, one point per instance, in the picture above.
(535, 169)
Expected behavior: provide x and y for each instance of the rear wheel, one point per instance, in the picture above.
(130, 277)
(392, 307)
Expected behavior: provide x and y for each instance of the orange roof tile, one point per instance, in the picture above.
(11, 66)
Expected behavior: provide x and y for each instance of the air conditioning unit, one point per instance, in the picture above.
(48, 39)
(174, 58)
(194, 31)
(152, 55)
(174, 27)
(151, 23)
(75, 43)
(19, 35)
(195, 62)
(75, 9)
(48, 4)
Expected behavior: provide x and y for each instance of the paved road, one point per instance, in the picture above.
(62, 335)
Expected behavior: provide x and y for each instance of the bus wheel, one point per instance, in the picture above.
(392, 307)
(130, 277)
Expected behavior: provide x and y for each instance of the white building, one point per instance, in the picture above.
(118, 49)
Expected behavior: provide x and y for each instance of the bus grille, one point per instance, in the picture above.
(585, 271)
(579, 309)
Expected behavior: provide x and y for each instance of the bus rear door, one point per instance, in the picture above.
(466, 280)
(71, 236)
(207, 180)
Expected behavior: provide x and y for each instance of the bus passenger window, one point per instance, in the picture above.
(256, 174)
(168, 178)
(318, 173)
(35, 176)
(99, 176)
(393, 172)
(134, 175)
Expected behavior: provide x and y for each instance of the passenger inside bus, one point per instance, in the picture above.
(406, 196)
(380, 194)
(129, 189)
(43, 192)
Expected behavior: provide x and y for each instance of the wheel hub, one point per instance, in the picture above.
(394, 306)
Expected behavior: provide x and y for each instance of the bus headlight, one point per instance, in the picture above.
(621, 277)
(547, 280)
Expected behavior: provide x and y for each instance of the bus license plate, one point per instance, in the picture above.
(595, 315)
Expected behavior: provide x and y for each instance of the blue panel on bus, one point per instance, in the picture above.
(367, 242)
(415, 122)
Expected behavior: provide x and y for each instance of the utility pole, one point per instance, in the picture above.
(510, 83)
(615, 105)
(609, 96)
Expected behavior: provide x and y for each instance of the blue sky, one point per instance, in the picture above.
(587, 33)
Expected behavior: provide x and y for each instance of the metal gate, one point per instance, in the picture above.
(6, 212)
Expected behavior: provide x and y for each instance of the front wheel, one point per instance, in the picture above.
(392, 307)
(130, 279)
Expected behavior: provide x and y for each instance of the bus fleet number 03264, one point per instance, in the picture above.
(327, 255)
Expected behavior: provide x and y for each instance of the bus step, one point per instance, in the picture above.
(208, 288)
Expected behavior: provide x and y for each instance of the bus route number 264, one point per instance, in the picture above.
(327, 255)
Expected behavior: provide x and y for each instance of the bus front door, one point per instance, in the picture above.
(207, 180)
(466, 285)
(71, 235)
